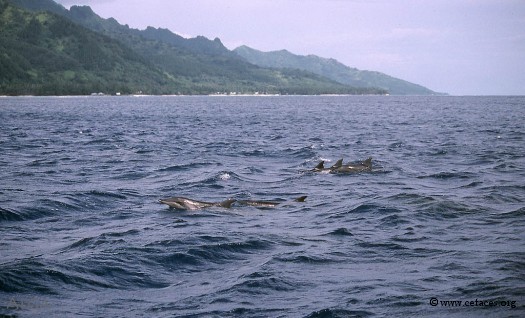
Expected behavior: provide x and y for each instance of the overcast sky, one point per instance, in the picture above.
(461, 47)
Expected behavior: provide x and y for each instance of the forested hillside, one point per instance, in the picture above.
(332, 69)
(46, 54)
(49, 50)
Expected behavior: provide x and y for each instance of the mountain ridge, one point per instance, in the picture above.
(45, 54)
(333, 69)
(169, 63)
(176, 65)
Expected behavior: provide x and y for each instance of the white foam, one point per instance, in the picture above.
(225, 176)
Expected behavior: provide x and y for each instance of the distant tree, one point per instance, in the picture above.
(32, 32)
(3, 6)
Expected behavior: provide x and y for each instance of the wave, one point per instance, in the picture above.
(215, 180)
(42, 163)
(302, 258)
(90, 243)
(473, 184)
(443, 209)
(28, 275)
(8, 215)
(340, 232)
(255, 153)
(88, 200)
(261, 284)
(504, 194)
(299, 152)
(211, 251)
(406, 238)
(32, 275)
(107, 194)
(84, 265)
(383, 246)
(449, 175)
(185, 167)
(517, 215)
(393, 220)
(510, 263)
(367, 208)
(218, 253)
(67, 203)
(412, 198)
(43, 208)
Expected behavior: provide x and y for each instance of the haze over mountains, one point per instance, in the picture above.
(49, 50)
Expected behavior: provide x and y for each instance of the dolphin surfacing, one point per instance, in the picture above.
(267, 204)
(182, 203)
(355, 168)
(339, 167)
(320, 167)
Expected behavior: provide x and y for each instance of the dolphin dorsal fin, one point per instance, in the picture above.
(368, 162)
(227, 203)
(338, 164)
(301, 199)
(320, 165)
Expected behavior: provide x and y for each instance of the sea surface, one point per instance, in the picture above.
(436, 229)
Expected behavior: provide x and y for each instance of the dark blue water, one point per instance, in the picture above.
(441, 217)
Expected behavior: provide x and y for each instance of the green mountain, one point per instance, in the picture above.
(332, 69)
(46, 54)
(47, 49)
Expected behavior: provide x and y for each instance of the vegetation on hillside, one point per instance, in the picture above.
(49, 50)
(332, 69)
(45, 54)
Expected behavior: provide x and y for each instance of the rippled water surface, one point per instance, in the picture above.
(441, 216)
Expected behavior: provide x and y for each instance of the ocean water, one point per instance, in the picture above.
(436, 229)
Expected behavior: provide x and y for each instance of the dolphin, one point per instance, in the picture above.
(267, 204)
(320, 167)
(354, 168)
(182, 203)
(338, 167)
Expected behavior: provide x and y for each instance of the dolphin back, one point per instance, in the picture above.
(338, 164)
(368, 163)
(227, 203)
(300, 199)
